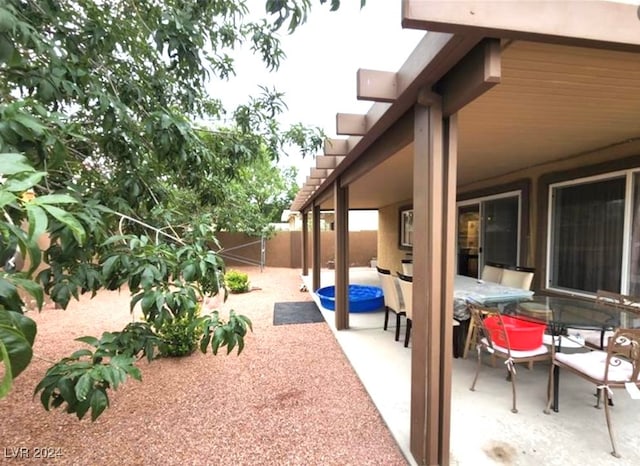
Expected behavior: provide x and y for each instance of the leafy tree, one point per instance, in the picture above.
(256, 197)
(246, 200)
(296, 11)
(99, 104)
(17, 331)
(274, 202)
(104, 87)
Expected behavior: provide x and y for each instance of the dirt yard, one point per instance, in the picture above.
(291, 398)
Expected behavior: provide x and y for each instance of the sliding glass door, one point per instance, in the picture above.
(488, 231)
(468, 239)
(500, 231)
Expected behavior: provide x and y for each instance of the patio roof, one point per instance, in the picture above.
(553, 101)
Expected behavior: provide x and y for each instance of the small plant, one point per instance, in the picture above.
(179, 337)
(237, 282)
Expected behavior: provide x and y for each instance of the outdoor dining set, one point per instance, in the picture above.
(596, 339)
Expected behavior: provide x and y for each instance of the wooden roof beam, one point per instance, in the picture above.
(378, 86)
(336, 146)
(430, 60)
(326, 161)
(474, 75)
(601, 23)
(351, 124)
(318, 173)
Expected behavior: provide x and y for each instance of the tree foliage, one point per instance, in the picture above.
(262, 191)
(17, 331)
(101, 111)
(115, 87)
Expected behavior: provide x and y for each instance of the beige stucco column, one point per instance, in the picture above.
(433, 272)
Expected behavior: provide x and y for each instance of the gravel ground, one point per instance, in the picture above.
(291, 397)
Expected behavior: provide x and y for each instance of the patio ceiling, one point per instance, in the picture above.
(553, 102)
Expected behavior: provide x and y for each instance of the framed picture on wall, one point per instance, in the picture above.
(405, 235)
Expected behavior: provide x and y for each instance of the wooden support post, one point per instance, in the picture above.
(305, 243)
(341, 197)
(315, 225)
(433, 274)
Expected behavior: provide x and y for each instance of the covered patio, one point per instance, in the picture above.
(483, 429)
(532, 103)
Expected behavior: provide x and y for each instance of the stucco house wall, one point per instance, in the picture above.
(389, 253)
(601, 161)
(605, 160)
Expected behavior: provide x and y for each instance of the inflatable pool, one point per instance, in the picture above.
(362, 298)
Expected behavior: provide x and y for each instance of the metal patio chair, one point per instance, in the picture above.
(617, 367)
(598, 339)
(485, 341)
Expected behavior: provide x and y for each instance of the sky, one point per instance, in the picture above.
(318, 75)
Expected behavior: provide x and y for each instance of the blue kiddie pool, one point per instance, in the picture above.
(362, 298)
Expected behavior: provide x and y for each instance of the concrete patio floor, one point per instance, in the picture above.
(484, 431)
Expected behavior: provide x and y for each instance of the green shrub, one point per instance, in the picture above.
(237, 282)
(180, 336)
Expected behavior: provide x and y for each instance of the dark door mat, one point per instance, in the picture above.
(302, 312)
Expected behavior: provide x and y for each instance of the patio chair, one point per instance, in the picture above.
(406, 288)
(407, 267)
(517, 277)
(492, 272)
(598, 339)
(391, 298)
(487, 341)
(617, 367)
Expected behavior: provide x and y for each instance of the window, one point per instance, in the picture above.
(590, 234)
(406, 228)
(634, 242)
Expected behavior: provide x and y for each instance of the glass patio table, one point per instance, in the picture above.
(471, 290)
(468, 290)
(562, 313)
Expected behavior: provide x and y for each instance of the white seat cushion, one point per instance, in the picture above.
(565, 342)
(517, 353)
(593, 364)
(593, 337)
